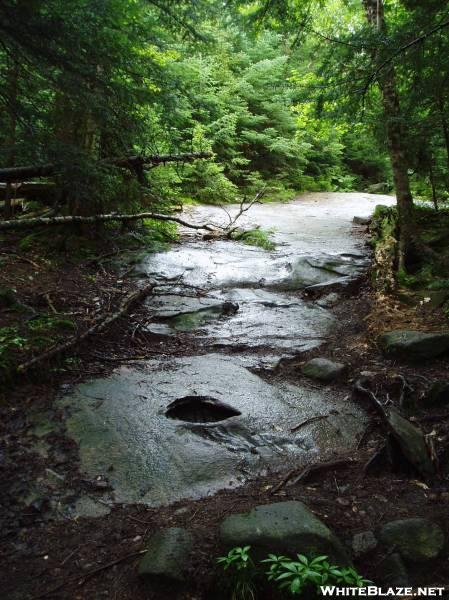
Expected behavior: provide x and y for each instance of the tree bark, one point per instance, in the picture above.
(130, 162)
(408, 236)
(12, 78)
(48, 221)
(432, 183)
(444, 126)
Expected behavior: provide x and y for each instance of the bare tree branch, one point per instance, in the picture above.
(48, 221)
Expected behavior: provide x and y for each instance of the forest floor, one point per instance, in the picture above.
(89, 558)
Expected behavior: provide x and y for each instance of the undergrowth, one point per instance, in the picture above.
(303, 575)
(256, 237)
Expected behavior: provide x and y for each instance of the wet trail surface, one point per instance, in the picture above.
(187, 426)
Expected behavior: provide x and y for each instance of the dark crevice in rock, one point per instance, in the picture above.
(200, 409)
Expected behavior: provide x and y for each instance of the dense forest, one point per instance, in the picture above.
(224, 299)
(294, 95)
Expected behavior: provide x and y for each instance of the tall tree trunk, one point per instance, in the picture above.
(444, 126)
(12, 78)
(408, 237)
(432, 183)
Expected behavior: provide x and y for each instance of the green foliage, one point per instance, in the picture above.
(281, 92)
(10, 339)
(50, 322)
(131, 77)
(294, 576)
(242, 572)
(384, 222)
(47, 330)
(256, 237)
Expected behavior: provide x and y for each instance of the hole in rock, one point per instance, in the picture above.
(200, 409)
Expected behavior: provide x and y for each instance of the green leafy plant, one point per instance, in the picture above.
(256, 237)
(9, 340)
(239, 562)
(306, 572)
(295, 576)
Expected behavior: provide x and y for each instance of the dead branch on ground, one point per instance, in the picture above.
(68, 220)
(100, 323)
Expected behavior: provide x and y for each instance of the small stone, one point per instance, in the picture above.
(363, 542)
(323, 369)
(169, 555)
(416, 540)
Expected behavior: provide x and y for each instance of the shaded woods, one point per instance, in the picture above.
(224, 297)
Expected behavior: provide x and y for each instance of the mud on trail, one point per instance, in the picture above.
(196, 406)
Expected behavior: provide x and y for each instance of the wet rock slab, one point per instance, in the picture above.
(261, 319)
(149, 429)
(125, 435)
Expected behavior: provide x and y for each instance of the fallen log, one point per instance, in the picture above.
(22, 173)
(37, 221)
(100, 323)
(47, 170)
(156, 159)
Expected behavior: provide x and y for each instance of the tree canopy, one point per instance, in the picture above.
(290, 94)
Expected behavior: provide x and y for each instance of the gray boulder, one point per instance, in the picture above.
(414, 345)
(438, 394)
(323, 369)
(169, 555)
(412, 443)
(416, 540)
(378, 188)
(282, 528)
(361, 220)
